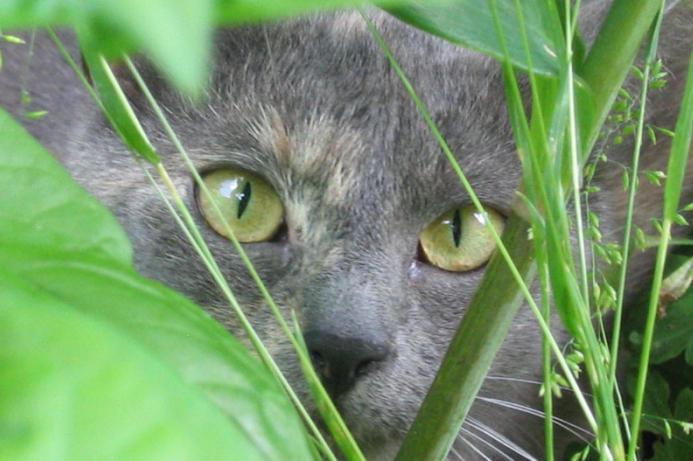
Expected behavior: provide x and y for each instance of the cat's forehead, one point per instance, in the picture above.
(314, 103)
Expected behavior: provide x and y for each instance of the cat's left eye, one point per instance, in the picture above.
(459, 240)
(248, 204)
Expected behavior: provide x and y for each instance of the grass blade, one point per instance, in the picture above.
(611, 56)
(616, 328)
(438, 421)
(678, 157)
(331, 416)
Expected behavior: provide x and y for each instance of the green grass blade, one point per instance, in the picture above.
(616, 327)
(678, 157)
(116, 107)
(680, 150)
(611, 56)
(333, 420)
(432, 432)
(175, 34)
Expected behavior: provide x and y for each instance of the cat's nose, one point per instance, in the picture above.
(340, 361)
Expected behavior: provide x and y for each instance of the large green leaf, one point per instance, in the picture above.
(176, 34)
(178, 333)
(72, 388)
(78, 274)
(471, 23)
(41, 204)
(242, 11)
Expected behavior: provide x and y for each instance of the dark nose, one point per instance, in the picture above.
(340, 361)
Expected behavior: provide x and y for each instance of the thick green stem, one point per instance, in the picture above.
(611, 56)
(472, 349)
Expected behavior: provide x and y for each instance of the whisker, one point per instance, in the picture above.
(459, 456)
(485, 442)
(518, 380)
(560, 422)
(529, 381)
(500, 438)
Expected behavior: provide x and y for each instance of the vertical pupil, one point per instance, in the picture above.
(243, 200)
(456, 228)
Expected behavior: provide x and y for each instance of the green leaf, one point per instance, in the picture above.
(41, 204)
(655, 403)
(674, 333)
(470, 23)
(62, 246)
(680, 148)
(680, 446)
(74, 388)
(175, 331)
(244, 11)
(175, 34)
(116, 107)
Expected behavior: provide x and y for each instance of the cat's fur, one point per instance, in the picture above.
(313, 107)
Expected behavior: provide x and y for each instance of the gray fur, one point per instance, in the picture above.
(312, 106)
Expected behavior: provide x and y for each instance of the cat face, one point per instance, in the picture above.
(312, 109)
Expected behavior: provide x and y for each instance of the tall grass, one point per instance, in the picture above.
(432, 435)
(553, 143)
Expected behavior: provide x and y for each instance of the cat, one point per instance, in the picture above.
(313, 109)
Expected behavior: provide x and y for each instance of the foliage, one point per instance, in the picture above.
(177, 381)
(668, 402)
(63, 255)
(470, 23)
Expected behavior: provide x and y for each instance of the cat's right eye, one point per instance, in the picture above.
(248, 204)
(459, 240)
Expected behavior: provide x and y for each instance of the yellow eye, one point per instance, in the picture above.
(250, 206)
(459, 240)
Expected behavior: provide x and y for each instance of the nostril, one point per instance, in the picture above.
(317, 358)
(340, 360)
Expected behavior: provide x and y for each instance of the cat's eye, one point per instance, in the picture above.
(250, 206)
(458, 240)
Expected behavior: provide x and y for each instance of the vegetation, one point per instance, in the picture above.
(200, 393)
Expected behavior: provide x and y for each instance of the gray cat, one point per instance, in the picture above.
(313, 110)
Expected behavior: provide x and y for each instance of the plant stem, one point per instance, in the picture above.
(610, 58)
(470, 353)
(676, 168)
(576, 171)
(616, 329)
(189, 228)
(439, 419)
(75, 68)
(647, 339)
(547, 369)
(187, 225)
